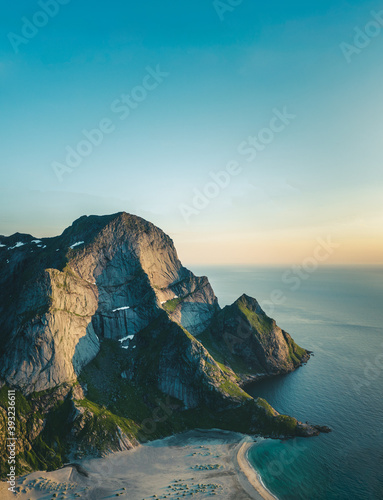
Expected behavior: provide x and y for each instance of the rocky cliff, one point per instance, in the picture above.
(100, 324)
(250, 342)
(104, 277)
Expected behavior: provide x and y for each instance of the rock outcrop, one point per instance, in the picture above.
(100, 324)
(113, 276)
(54, 336)
(184, 369)
(250, 342)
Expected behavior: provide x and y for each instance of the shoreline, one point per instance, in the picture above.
(200, 462)
(251, 474)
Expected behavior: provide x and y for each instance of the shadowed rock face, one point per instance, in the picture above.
(251, 342)
(53, 337)
(168, 357)
(107, 318)
(104, 277)
(198, 306)
(109, 278)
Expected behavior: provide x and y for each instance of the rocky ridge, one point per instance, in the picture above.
(101, 323)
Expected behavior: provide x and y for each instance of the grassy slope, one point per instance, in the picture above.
(139, 409)
(263, 324)
(219, 342)
(142, 412)
(141, 404)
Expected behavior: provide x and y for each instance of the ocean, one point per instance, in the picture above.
(338, 314)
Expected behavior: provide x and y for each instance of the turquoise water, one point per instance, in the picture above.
(338, 314)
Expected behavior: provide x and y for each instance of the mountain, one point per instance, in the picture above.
(104, 277)
(102, 330)
(250, 342)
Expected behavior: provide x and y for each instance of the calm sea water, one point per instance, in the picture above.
(338, 314)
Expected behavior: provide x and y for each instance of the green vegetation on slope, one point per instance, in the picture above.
(260, 322)
(171, 305)
(157, 415)
(243, 339)
(142, 412)
(229, 362)
(297, 353)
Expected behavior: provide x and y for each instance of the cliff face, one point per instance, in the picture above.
(250, 342)
(98, 325)
(113, 277)
(166, 356)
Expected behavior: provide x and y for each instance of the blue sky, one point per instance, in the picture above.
(322, 175)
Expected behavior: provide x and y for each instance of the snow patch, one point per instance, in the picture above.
(121, 308)
(125, 346)
(129, 337)
(18, 244)
(91, 282)
(77, 244)
(1, 246)
(36, 241)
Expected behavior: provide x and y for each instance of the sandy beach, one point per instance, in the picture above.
(198, 463)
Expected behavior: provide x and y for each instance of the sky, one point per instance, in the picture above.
(248, 131)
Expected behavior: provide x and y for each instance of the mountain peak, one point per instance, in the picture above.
(245, 301)
(120, 224)
(243, 332)
(108, 306)
(115, 272)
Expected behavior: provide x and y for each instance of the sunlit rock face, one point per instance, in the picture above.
(102, 328)
(104, 277)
